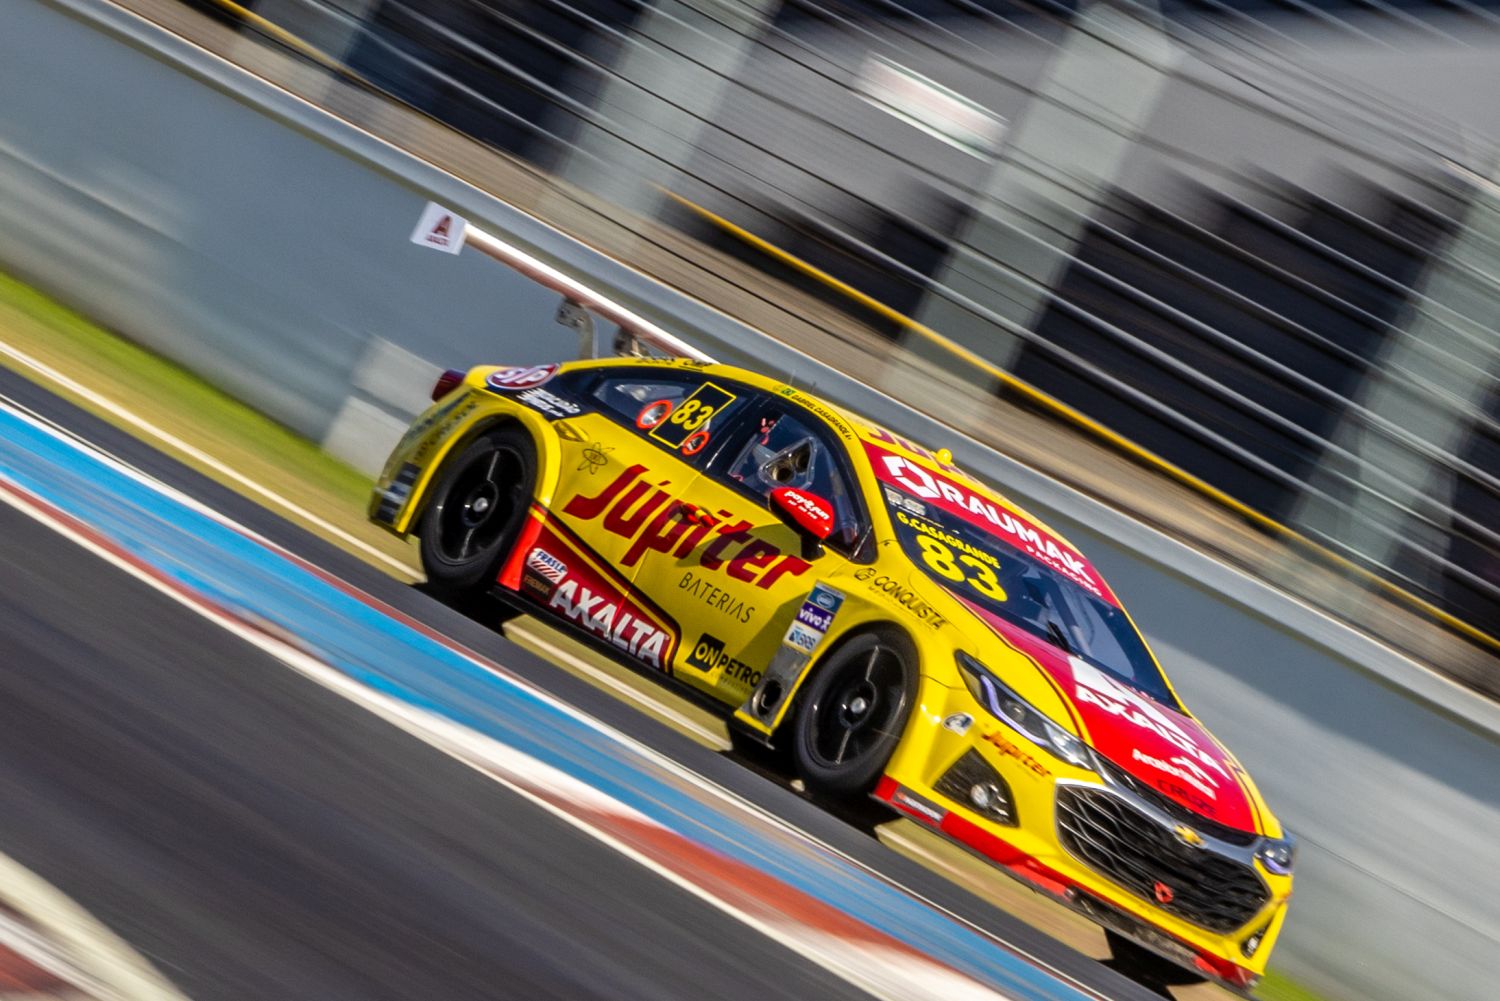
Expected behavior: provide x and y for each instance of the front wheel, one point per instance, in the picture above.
(476, 513)
(853, 712)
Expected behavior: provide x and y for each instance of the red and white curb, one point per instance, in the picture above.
(51, 948)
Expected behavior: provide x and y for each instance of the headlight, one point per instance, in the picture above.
(1277, 856)
(1010, 709)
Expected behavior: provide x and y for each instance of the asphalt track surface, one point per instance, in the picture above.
(255, 836)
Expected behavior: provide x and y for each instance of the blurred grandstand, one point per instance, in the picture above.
(1231, 265)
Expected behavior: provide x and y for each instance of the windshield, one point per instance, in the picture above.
(982, 568)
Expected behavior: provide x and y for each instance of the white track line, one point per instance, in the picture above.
(93, 958)
(192, 451)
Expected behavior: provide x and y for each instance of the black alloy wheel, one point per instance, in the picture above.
(476, 512)
(851, 716)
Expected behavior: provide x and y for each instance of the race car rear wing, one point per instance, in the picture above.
(441, 229)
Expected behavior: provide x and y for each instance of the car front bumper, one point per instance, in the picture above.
(1042, 824)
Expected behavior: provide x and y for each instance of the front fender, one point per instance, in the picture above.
(861, 610)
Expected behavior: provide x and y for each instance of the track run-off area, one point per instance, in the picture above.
(276, 772)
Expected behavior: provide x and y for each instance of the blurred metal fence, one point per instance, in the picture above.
(1322, 358)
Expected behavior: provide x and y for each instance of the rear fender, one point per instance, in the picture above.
(449, 425)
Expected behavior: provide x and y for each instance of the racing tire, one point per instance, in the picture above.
(476, 512)
(852, 713)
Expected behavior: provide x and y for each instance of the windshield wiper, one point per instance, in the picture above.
(1059, 637)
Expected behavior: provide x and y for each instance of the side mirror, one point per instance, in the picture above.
(807, 514)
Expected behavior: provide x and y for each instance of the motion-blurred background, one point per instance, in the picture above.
(1230, 266)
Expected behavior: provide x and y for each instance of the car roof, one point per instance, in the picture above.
(844, 421)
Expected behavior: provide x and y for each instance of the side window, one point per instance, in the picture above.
(783, 450)
(680, 412)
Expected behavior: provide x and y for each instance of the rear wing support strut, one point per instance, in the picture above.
(447, 231)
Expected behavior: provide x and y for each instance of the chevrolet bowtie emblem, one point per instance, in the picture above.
(1188, 836)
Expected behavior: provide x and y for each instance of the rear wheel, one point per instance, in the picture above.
(476, 513)
(851, 716)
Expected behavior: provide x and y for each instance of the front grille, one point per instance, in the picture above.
(1118, 841)
(1174, 809)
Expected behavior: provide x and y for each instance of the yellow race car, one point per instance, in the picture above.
(892, 626)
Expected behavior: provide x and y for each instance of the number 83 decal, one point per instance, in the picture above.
(961, 568)
(684, 426)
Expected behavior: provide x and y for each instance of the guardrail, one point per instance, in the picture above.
(1385, 770)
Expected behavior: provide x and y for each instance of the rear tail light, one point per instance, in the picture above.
(446, 383)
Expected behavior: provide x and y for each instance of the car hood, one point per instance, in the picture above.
(1156, 744)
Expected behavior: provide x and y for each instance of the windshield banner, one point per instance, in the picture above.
(962, 501)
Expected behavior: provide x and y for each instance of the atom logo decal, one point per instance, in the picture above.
(594, 457)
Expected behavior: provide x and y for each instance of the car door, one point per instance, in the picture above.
(738, 592)
(628, 459)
